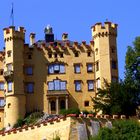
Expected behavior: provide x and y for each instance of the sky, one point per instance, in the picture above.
(74, 17)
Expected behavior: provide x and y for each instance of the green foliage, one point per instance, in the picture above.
(122, 130)
(70, 111)
(116, 98)
(132, 65)
(20, 122)
(56, 138)
(32, 118)
(88, 112)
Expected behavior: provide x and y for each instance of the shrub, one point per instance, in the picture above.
(20, 122)
(32, 118)
(70, 111)
(122, 130)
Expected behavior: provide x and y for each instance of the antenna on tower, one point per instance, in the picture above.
(12, 14)
(106, 19)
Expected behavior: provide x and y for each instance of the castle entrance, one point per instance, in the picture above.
(56, 102)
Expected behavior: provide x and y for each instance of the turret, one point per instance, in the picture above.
(13, 74)
(105, 48)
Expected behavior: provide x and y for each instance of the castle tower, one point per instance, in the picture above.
(13, 74)
(105, 48)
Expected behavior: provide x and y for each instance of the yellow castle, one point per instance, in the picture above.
(49, 75)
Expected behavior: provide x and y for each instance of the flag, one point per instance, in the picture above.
(12, 14)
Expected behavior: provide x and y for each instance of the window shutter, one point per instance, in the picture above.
(51, 69)
(57, 84)
(90, 85)
(63, 85)
(90, 67)
(50, 86)
(62, 68)
(78, 86)
(56, 67)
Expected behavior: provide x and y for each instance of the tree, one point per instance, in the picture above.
(123, 97)
(116, 98)
(122, 130)
(132, 66)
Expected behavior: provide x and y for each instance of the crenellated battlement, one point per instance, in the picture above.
(11, 33)
(62, 45)
(67, 127)
(104, 30)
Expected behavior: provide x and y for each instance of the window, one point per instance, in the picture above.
(97, 66)
(50, 55)
(114, 65)
(89, 67)
(77, 85)
(2, 102)
(88, 54)
(113, 50)
(29, 56)
(57, 85)
(61, 55)
(9, 53)
(86, 103)
(30, 87)
(96, 51)
(9, 67)
(98, 83)
(90, 85)
(9, 86)
(29, 70)
(1, 85)
(1, 72)
(55, 55)
(56, 68)
(76, 54)
(114, 79)
(9, 105)
(77, 68)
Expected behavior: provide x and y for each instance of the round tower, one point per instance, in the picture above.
(105, 48)
(13, 74)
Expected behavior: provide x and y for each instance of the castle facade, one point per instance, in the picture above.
(49, 75)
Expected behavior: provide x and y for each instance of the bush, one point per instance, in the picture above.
(32, 118)
(20, 122)
(122, 130)
(70, 111)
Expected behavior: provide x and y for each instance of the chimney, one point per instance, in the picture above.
(64, 36)
(32, 38)
(49, 36)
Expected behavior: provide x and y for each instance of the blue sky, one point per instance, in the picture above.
(74, 17)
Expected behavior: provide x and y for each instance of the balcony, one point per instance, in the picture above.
(8, 75)
(57, 93)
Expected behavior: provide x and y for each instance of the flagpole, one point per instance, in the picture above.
(12, 14)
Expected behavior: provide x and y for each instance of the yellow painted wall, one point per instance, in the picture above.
(49, 131)
(104, 37)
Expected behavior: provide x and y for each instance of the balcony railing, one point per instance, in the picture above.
(8, 74)
(57, 92)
